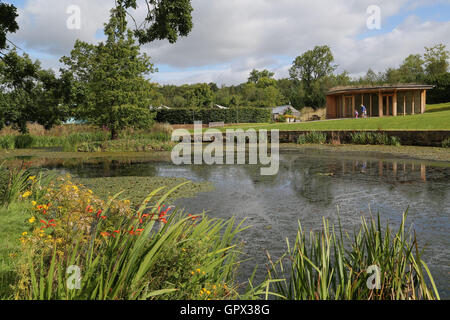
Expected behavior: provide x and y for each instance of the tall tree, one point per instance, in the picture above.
(255, 75)
(114, 92)
(311, 69)
(436, 60)
(411, 69)
(313, 65)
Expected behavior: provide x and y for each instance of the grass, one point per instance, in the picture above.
(12, 224)
(72, 138)
(436, 117)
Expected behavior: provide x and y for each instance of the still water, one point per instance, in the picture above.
(312, 184)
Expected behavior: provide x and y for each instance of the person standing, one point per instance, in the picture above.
(356, 114)
(364, 111)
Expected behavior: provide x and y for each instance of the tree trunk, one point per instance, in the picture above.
(114, 134)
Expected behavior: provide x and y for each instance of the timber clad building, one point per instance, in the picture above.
(387, 100)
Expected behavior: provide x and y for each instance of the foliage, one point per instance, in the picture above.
(29, 93)
(109, 79)
(231, 115)
(374, 139)
(312, 137)
(256, 75)
(148, 253)
(8, 15)
(326, 267)
(441, 92)
(446, 143)
(165, 19)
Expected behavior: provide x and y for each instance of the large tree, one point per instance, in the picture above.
(436, 60)
(313, 65)
(29, 94)
(310, 70)
(110, 88)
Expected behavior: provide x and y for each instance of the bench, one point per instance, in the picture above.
(216, 124)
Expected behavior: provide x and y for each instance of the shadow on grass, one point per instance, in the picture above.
(445, 107)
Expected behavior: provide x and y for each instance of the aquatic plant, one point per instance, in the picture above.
(312, 137)
(325, 266)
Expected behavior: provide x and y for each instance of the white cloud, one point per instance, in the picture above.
(231, 37)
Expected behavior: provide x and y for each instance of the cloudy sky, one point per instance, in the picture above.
(231, 37)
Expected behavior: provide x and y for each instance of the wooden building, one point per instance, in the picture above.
(386, 100)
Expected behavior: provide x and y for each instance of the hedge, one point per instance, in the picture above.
(234, 115)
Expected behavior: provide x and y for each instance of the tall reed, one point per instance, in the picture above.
(324, 266)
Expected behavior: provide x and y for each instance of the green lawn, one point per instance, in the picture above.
(436, 117)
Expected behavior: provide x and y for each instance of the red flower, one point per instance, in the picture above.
(48, 224)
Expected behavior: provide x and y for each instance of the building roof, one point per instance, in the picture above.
(282, 109)
(376, 88)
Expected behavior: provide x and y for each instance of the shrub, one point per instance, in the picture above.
(7, 142)
(207, 115)
(23, 141)
(124, 253)
(312, 137)
(374, 139)
(446, 143)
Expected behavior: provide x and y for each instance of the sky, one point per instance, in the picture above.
(232, 37)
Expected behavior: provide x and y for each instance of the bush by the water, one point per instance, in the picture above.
(374, 139)
(446, 143)
(232, 115)
(312, 137)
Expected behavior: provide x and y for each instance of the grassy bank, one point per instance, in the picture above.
(436, 117)
(80, 138)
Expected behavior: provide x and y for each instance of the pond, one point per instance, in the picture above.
(311, 184)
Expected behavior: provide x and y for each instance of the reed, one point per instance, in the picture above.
(324, 266)
(312, 137)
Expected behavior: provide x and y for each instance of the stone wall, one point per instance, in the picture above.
(407, 138)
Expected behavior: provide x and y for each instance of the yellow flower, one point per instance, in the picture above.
(34, 203)
(32, 219)
(26, 194)
(24, 233)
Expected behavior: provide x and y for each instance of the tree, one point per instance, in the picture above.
(310, 70)
(411, 69)
(110, 76)
(165, 19)
(313, 65)
(29, 93)
(436, 60)
(256, 75)
(8, 15)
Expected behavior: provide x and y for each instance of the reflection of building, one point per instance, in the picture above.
(386, 100)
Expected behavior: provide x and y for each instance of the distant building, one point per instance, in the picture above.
(159, 108)
(219, 107)
(281, 110)
(385, 100)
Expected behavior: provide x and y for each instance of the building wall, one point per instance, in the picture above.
(408, 102)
